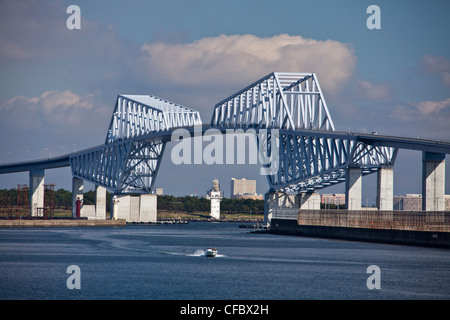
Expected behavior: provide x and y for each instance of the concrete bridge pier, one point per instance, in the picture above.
(268, 211)
(433, 181)
(286, 206)
(100, 202)
(279, 203)
(353, 188)
(385, 188)
(309, 201)
(142, 208)
(77, 194)
(36, 192)
(97, 211)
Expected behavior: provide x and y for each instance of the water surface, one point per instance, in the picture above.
(168, 262)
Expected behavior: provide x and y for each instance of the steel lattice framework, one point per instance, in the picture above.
(288, 112)
(289, 107)
(279, 100)
(310, 155)
(130, 158)
(314, 160)
(138, 115)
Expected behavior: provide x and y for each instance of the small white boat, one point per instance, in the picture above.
(211, 252)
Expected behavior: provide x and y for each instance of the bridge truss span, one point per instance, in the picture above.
(309, 161)
(122, 166)
(138, 115)
(279, 100)
(287, 113)
(309, 154)
(130, 158)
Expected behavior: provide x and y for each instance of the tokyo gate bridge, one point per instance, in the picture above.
(300, 136)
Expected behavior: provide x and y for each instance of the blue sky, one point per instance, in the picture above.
(58, 86)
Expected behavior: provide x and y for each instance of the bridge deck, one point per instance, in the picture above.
(425, 145)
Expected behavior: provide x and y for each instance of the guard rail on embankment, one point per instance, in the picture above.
(424, 228)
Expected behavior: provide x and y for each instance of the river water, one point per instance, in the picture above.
(160, 262)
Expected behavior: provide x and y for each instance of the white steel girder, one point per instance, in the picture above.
(292, 104)
(130, 158)
(279, 100)
(310, 162)
(122, 167)
(137, 115)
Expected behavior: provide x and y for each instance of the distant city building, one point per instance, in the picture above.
(244, 189)
(337, 199)
(408, 202)
(215, 195)
(413, 202)
(159, 191)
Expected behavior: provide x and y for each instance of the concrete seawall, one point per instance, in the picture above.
(58, 223)
(392, 236)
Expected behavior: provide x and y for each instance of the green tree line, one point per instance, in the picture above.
(188, 204)
(194, 204)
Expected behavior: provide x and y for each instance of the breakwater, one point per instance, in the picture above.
(57, 223)
(410, 228)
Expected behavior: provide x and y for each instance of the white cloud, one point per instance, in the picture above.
(57, 108)
(429, 107)
(55, 122)
(242, 59)
(375, 91)
(439, 66)
(64, 100)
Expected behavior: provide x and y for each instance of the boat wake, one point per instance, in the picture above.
(197, 253)
(202, 253)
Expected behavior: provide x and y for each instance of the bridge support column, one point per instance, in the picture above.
(148, 207)
(309, 201)
(36, 192)
(268, 210)
(433, 181)
(135, 209)
(278, 205)
(77, 194)
(123, 207)
(385, 188)
(353, 188)
(100, 202)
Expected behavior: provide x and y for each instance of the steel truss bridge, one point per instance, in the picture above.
(290, 107)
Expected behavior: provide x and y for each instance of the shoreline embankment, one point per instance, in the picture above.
(57, 223)
(436, 239)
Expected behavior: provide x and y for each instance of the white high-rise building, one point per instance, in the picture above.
(244, 189)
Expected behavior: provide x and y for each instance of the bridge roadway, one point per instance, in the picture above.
(418, 144)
